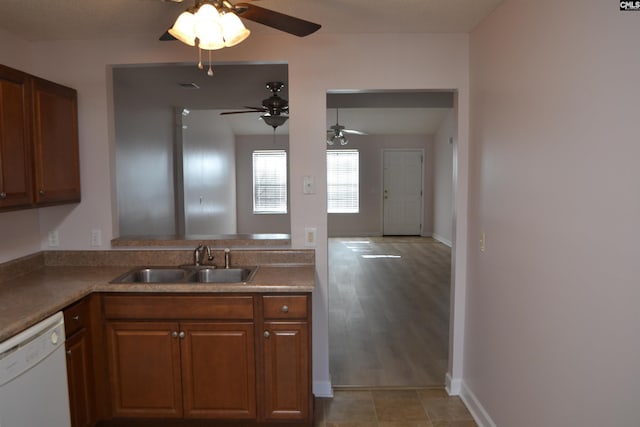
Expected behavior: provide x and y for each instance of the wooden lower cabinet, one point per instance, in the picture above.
(80, 371)
(144, 369)
(231, 357)
(218, 370)
(190, 370)
(286, 371)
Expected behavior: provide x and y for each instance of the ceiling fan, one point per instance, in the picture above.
(275, 109)
(335, 133)
(270, 18)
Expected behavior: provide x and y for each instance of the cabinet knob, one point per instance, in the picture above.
(285, 309)
(68, 352)
(181, 334)
(3, 195)
(76, 318)
(266, 334)
(41, 192)
(174, 334)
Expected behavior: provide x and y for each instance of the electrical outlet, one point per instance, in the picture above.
(309, 186)
(54, 240)
(96, 237)
(309, 236)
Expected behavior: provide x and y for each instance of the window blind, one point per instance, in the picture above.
(343, 181)
(269, 181)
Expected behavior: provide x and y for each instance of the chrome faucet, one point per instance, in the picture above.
(227, 256)
(198, 252)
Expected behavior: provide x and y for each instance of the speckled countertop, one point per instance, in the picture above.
(37, 286)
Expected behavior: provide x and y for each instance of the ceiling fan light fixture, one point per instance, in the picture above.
(183, 28)
(233, 30)
(274, 121)
(207, 28)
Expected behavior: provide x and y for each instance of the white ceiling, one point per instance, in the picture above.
(37, 20)
(96, 19)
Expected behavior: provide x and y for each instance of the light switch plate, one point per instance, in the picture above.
(310, 236)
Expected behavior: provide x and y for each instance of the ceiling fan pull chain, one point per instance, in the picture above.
(199, 58)
(210, 71)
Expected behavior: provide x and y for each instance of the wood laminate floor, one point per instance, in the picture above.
(388, 311)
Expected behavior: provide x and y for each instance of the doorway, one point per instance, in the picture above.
(402, 194)
(389, 296)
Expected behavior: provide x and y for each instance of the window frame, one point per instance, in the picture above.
(282, 207)
(355, 181)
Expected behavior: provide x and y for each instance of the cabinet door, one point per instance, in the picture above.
(55, 140)
(144, 369)
(287, 374)
(16, 188)
(218, 370)
(80, 378)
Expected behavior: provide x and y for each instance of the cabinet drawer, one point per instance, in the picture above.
(178, 307)
(76, 317)
(285, 306)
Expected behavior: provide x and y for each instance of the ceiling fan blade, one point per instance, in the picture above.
(354, 132)
(279, 21)
(166, 37)
(224, 113)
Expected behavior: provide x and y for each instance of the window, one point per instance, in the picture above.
(343, 177)
(270, 182)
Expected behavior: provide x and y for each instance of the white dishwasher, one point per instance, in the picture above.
(33, 377)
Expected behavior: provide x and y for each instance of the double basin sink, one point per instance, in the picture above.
(188, 274)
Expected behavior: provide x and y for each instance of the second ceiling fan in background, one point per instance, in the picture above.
(336, 133)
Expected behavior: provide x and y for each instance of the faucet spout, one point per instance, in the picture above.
(198, 253)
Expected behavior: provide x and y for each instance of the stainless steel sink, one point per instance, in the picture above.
(154, 275)
(188, 274)
(224, 275)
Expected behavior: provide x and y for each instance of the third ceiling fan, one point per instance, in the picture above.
(336, 133)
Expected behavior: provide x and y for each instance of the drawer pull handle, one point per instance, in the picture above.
(266, 334)
(41, 192)
(285, 309)
(3, 195)
(76, 318)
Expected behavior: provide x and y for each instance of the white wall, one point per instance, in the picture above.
(369, 61)
(443, 179)
(553, 305)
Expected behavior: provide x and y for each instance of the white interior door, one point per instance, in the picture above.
(402, 192)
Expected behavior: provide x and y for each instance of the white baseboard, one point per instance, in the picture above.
(322, 389)
(441, 239)
(451, 385)
(480, 415)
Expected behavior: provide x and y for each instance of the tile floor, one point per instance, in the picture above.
(392, 408)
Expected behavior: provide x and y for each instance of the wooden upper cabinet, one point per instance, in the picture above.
(55, 142)
(16, 188)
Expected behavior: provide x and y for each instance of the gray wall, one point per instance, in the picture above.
(209, 174)
(368, 222)
(144, 164)
(248, 222)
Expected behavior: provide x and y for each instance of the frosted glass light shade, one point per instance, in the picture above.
(207, 28)
(233, 30)
(183, 28)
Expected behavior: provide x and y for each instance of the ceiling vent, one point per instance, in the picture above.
(189, 85)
